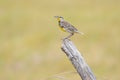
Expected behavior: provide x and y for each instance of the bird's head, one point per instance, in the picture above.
(59, 18)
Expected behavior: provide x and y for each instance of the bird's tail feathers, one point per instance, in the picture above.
(80, 33)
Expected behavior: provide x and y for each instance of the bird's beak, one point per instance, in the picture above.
(56, 16)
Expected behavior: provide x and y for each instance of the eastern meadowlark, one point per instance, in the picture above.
(67, 27)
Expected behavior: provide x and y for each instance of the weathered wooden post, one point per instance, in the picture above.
(77, 60)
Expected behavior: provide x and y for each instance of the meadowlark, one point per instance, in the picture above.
(67, 27)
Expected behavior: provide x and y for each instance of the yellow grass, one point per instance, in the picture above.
(30, 39)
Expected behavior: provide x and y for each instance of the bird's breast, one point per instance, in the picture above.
(63, 29)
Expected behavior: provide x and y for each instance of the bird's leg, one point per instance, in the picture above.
(69, 36)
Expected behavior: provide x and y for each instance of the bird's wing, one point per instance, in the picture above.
(68, 26)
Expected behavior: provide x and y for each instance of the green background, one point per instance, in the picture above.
(30, 39)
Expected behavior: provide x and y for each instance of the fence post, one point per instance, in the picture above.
(77, 60)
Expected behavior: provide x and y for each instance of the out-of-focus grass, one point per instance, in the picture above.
(30, 39)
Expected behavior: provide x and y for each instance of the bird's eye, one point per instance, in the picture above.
(61, 17)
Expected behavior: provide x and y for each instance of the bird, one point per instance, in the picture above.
(67, 27)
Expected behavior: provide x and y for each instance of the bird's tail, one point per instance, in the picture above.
(80, 32)
(84, 35)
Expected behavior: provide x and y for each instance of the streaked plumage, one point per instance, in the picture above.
(68, 27)
(65, 26)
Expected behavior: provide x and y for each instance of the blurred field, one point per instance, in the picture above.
(30, 39)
